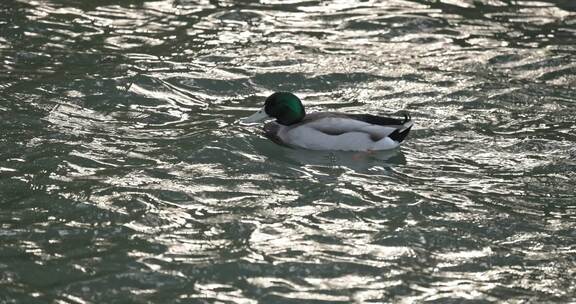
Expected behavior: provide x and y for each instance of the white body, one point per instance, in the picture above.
(339, 133)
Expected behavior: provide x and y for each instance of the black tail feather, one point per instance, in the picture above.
(399, 136)
(407, 118)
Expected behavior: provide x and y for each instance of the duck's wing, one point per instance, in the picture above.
(376, 127)
(379, 120)
(400, 128)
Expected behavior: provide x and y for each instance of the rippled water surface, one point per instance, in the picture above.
(126, 177)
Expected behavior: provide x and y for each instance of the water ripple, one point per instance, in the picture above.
(126, 176)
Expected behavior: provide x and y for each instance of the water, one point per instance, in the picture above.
(125, 176)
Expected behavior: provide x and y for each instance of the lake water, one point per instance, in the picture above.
(126, 177)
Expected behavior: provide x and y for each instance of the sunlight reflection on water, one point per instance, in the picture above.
(126, 176)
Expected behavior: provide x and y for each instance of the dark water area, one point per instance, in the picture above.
(126, 177)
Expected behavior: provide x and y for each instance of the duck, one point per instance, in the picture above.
(327, 130)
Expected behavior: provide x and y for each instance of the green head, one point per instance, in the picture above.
(285, 107)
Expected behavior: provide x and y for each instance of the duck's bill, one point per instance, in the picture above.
(256, 117)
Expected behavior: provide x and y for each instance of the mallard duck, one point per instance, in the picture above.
(328, 130)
